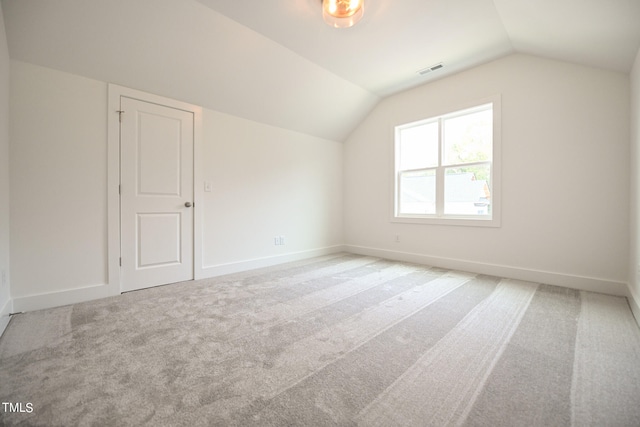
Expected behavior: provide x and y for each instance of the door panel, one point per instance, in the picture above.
(156, 194)
(159, 145)
(158, 239)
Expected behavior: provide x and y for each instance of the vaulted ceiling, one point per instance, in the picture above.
(276, 62)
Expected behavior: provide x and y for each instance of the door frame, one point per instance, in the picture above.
(115, 92)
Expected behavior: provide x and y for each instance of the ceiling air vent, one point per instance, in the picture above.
(430, 69)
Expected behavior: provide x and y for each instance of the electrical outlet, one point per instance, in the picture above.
(278, 240)
(397, 238)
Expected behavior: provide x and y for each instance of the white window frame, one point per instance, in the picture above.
(440, 218)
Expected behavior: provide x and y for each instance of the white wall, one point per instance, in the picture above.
(634, 263)
(58, 181)
(266, 181)
(565, 176)
(5, 302)
(565, 212)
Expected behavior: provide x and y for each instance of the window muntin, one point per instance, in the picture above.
(444, 167)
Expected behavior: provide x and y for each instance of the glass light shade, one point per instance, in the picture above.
(342, 13)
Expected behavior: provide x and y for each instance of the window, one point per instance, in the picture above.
(446, 168)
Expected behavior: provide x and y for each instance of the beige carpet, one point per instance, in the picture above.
(338, 340)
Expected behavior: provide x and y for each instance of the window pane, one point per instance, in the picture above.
(418, 192)
(467, 190)
(468, 138)
(419, 146)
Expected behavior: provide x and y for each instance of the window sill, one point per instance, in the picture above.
(449, 220)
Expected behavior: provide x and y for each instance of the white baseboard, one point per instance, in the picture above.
(634, 303)
(74, 296)
(251, 264)
(582, 283)
(60, 298)
(5, 311)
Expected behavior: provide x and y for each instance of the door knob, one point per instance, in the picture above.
(188, 204)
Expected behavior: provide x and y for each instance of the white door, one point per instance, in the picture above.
(156, 194)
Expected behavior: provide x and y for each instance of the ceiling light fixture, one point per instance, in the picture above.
(342, 13)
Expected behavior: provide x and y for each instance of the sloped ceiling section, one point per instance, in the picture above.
(276, 62)
(397, 38)
(385, 50)
(600, 33)
(184, 50)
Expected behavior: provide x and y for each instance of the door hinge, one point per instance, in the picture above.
(120, 261)
(120, 112)
(120, 189)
